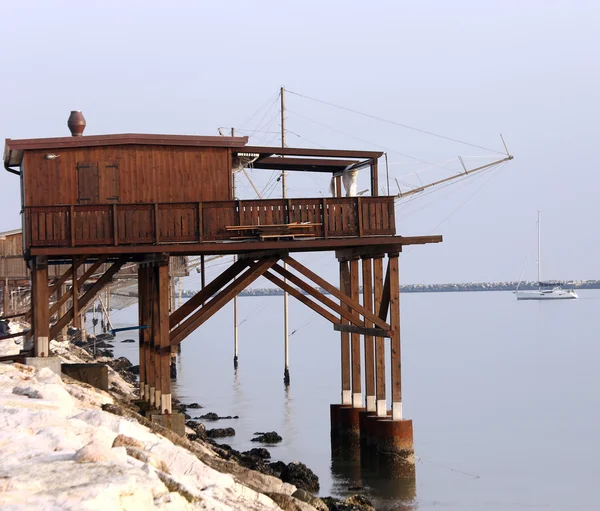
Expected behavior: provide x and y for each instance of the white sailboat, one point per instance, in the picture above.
(545, 291)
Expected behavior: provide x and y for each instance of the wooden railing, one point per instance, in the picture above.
(187, 222)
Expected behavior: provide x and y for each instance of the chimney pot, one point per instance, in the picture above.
(76, 123)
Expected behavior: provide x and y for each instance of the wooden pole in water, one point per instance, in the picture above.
(355, 340)
(286, 372)
(235, 300)
(395, 339)
(163, 391)
(367, 269)
(345, 338)
(381, 405)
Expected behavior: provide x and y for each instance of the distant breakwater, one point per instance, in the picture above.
(443, 288)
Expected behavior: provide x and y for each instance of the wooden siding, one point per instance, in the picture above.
(185, 222)
(127, 174)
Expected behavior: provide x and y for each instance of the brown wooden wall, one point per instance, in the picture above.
(127, 174)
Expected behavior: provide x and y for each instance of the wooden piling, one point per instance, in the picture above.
(396, 361)
(367, 270)
(381, 406)
(163, 401)
(345, 338)
(355, 340)
(40, 306)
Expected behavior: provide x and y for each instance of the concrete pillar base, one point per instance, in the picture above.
(92, 374)
(173, 421)
(52, 363)
(395, 447)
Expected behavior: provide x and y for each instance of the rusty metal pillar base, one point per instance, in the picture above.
(395, 447)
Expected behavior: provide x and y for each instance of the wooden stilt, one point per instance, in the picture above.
(355, 341)
(40, 302)
(150, 355)
(142, 317)
(381, 406)
(63, 310)
(395, 340)
(163, 394)
(367, 270)
(75, 295)
(6, 296)
(345, 338)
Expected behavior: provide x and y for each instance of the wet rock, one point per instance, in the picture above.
(300, 475)
(194, 405)
(309, 498)
(105, 337)
(199, 429)
(220, 432)
(354, 503)
(120, 364)
(259, 452)
(134, 369)
(271, 437)
(128, 340)
(210, 416)
(289, 503)
(187, 416)
(277, 467)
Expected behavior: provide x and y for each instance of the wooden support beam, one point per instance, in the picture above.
(300, 297)
(254, 271)
(39, 303)
(395, 340)
(204, 294)
(141, 285)
(81, 303)
(74, 311)
(58, 304)
(91, 270)
(361, 330)
(150, 372)
(162, 339)
(65, 276)
(342, 311)
(357, 400)
(6, 296)
(384, 300)
(345, 338)
(154, 340)
(345, 299)
(346, 254)
(369, 346)
(381, 404)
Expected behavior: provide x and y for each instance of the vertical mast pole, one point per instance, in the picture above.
(286, 372)
(539, 261)
(235, 301)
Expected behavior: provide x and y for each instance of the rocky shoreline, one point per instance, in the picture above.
(67, 445)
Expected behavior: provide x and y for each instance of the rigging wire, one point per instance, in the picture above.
(265, 104)
(395, 123)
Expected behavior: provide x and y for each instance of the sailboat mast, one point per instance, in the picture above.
(539, 261)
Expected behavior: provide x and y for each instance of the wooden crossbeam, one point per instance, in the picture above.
(90, 271)
(328, 302)
(59, 303)
(65, 276)
(90, 294)
(336, 292)
(204, 294)
(385, 296)
(222, 298)
(300, 297)
(362, 330)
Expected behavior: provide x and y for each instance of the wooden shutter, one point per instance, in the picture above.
(88, 182)
(109, 181)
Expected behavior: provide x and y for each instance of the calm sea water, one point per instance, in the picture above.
(504, 396)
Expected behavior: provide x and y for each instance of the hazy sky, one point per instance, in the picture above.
(466, 69)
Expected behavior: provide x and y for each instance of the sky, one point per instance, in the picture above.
(468, 70)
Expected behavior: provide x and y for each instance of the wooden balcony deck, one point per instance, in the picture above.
(131, 227)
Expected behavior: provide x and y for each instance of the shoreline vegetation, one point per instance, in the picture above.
(442, 288)
(67, 445)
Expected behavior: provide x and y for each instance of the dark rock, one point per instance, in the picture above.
(198, 428)
(210, 416)
(105, 337)
(134, 369)
(128, 340)
(268, 438)
(277, 467)
(259, 452)
(220, 432)
(106, 353)
(194, 405)
(120, 364)
(187, 417)
(300, 475)
(354, 503)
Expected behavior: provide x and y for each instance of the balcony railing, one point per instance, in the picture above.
(198, 222)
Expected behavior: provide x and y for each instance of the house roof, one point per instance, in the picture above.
(10, 233)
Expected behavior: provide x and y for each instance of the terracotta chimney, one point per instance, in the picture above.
(76, 123)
